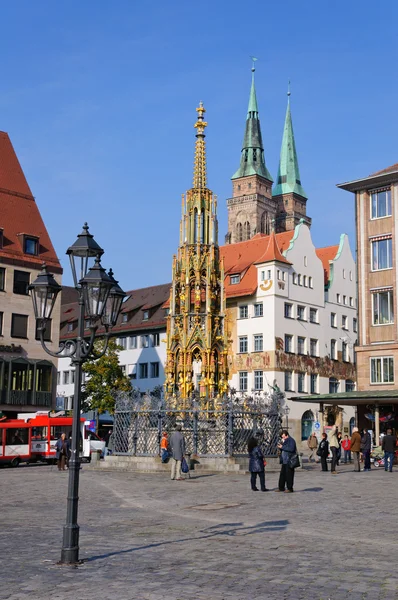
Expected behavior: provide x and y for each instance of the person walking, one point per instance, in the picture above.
(323, 451)
(356, 448)
(288, 448)
(312, 444)
(177, 447)
(62, 448)
(334, 447)
(366, 447)
(346, 444)
(339, 439)
(389, 445)
(256, 464)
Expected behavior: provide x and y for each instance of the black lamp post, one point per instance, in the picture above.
(100, 300)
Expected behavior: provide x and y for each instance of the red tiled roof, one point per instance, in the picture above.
(326, 255)
(272, 252)
(19, 213)
(385, 171)
(241, 258)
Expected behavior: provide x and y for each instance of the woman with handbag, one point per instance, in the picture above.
(289, 458)
(256, 464)
(323, 451)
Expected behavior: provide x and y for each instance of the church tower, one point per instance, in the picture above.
(252, 208)
(288, 193)
(196, 337)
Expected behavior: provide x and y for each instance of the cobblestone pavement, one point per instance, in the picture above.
(144, 537)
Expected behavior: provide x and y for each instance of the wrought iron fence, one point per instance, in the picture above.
(214, 433)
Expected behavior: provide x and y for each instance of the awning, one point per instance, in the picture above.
(351, 398)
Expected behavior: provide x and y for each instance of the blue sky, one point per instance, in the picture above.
(99, 100)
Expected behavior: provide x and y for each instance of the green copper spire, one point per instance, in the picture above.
(288, 180)
(252, 157)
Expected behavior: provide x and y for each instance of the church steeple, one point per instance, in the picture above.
(252, 157)
(288, 180)
(288, 192)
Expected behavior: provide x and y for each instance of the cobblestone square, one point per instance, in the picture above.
(144, 537)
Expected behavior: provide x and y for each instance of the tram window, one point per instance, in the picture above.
(39, 433)
(57, 430)
(16, 437)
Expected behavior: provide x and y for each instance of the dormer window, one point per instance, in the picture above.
(125, 318)
(234, 279)
(31, 245)
(145, 315)
(1, 238)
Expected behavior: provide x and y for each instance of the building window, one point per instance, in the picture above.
(301, 382)
(343, 273)
(46, 332)
(72, 376)
(344, 322)
(243, 344)
(300, 345)
(382, 369)
(122, 342)
(2, 279)
(243, 312)
(381, 204)
(383, 308)
(70, 327)
(155, 339)
(349, 386)
(351, 301)
(299, 279)
(143, 370)
(65, 379)
(19, 326)
(1, 238)
(258, 342)
(314, 383)
(145, 315)
(1, 322)
(344, 299)
(31, 246)
(294, 278)
(310, 284)
(382, 254)
(344, 351)
(307, 423)
(288, 343)
(288, 381)
(301, 313)
(258, 310)
(133, 342)
(262, 275)
(313, 315)
(338, 298)
(243, 381)
(125, 318)
(58, 377)
(21, 282)
(132, 371)
(258, 380)
(87, 324)
(333, 385)
(154, 370)
(234, 279)
(355, 326)
(305, 280)
(123, 369)
(333, 349)
(313, 347)
(333, 320)
(145, 341)
(288, 310)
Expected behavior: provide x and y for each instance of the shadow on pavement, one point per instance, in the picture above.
(224, 529)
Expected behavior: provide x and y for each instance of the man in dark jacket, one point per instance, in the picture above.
(366, 448)
(177, 446)
(287, 448)
(356, 448)
(389, 445)
(62, 448)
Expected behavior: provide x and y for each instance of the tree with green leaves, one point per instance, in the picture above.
(104, 377)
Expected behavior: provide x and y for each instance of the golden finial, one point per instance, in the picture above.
(199, 174)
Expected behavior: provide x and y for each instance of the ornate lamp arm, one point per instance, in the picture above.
(97, 355)
(69, 344)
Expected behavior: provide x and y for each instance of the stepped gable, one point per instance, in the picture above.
(20, 215)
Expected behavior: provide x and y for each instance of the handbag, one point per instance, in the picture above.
(319, 452)
(294, 461)
(184, 465)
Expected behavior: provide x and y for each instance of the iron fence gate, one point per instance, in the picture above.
(216, 433)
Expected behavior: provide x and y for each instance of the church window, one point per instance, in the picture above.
(239, 187)
(264, 226)
(254, 154)
(246, 155)
(239, 232)
(195, 226)
(246, 230)
(250, 186)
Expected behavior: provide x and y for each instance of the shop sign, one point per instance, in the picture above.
(11, 348)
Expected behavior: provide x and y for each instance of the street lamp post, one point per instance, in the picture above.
(100, 299)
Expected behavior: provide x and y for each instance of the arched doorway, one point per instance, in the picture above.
(307, 424)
